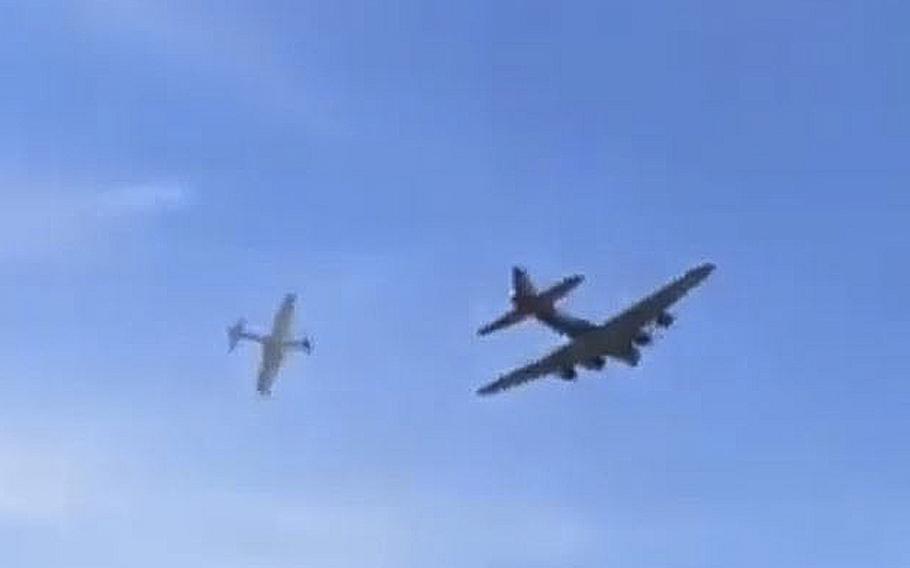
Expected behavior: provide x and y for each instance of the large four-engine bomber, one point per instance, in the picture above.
(589, 344)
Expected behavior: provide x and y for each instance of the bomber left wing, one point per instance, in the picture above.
(562, 358)
(654, 307)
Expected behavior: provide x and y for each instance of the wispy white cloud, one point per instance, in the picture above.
(42, 224)
(216, 43)
(39, 484)
(329, 528)
(141, 200)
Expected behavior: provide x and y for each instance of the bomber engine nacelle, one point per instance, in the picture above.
(595, 364)
(665, 319)
(568, 374)
(643, 339)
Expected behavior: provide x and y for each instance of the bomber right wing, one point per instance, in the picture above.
(559, 359)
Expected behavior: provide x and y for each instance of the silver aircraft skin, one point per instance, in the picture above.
(275, 345)
(591, 344)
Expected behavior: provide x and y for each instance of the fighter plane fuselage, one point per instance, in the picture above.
(274, 345)
(284, 319)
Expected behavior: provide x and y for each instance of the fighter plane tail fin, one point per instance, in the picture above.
(236, 333)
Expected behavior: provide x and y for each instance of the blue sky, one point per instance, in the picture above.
(166, 167)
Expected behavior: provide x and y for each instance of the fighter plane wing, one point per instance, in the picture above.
(562, 357)
(649, 309)
(505, 321)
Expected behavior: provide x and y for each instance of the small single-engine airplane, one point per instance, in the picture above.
(527, 301)
(274, 346)
(590, 344)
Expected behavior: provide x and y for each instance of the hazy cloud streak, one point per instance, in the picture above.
(43, 224)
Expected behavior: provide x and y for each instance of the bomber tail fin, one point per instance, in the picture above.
(522, 286)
